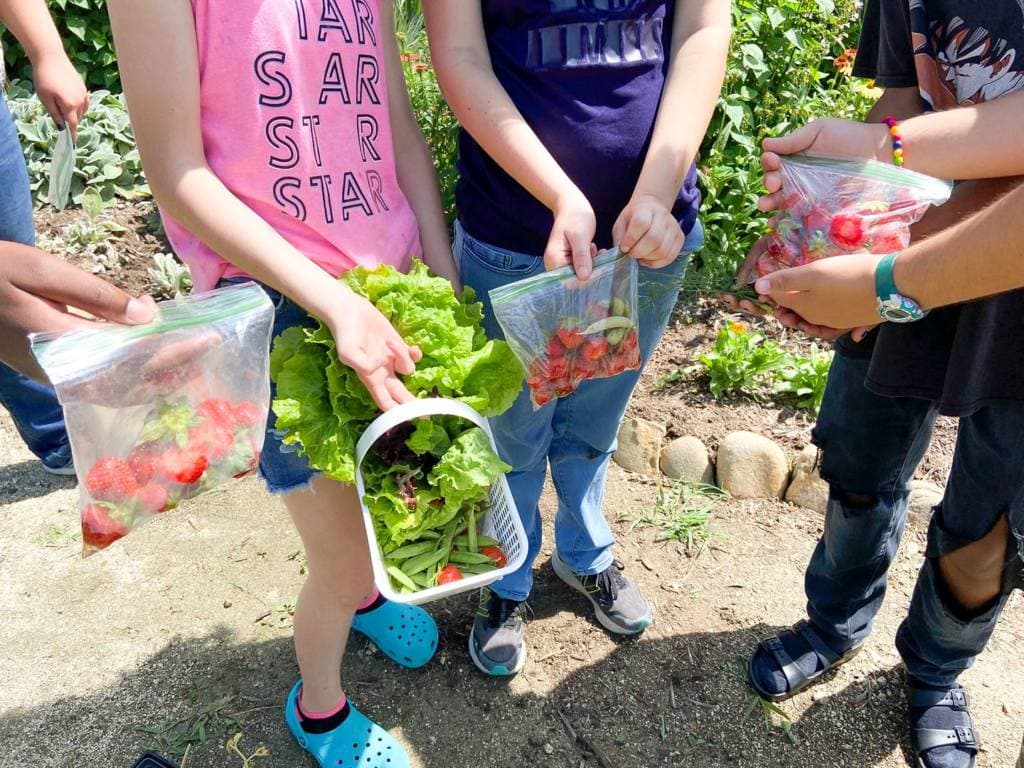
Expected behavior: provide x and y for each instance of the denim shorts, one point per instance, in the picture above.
(281, 467)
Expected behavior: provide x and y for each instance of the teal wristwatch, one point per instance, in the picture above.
(893, 306)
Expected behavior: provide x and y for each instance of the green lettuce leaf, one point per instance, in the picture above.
(467, 470)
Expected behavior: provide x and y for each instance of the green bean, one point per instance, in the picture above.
(414, 565)
(411, 550)
(402, 579)
(469, 558)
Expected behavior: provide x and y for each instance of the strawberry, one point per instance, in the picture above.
(816, 247)
(141, 461)
(172, 422)
(595, 348)
(153, 498)
(555, 348)
(817, 218)
(570, 338)
(448, 574)
(217, 410)
(500, 561)
(248, 414)
(541, 398)
(100, 528)
(183, 465)
(847, 231)
(558, 368)
(890, 239)
(211, 439)
(111, 479)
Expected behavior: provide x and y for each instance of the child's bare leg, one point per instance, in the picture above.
(328, 519)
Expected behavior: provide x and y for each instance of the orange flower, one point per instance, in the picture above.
(844, 61)
(421, 67)
(737, 327)
(409, 57)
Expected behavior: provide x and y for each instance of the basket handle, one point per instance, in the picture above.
(431, 406)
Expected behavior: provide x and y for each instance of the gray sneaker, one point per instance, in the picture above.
(617, 601)
(496, 641)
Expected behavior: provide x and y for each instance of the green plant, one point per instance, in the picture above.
(248, 761)
(170, 278)
(683, 512)
(107, 159)
(741, 362)
(85, 31)
(788, 64)
(772, 715)
(95, 229)
(804, 378)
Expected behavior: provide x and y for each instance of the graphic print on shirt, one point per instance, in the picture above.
(352, 91)
(629, 35)
(963, 61)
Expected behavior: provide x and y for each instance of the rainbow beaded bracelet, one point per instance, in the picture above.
(897, 139)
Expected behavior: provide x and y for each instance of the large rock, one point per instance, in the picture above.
(807, 489)
(924, 496)
(752, 467)
(687, 459)
(640, 446)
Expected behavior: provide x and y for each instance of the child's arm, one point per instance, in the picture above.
(35, 288)
(700, 43)
(58, 84)
(416, 175)
(459, 51)
(156, 46)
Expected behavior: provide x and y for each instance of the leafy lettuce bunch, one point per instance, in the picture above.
(323, 407)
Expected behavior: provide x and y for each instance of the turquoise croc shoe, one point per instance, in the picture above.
(356, 743)
(406, 634)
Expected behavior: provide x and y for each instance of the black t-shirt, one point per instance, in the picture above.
(956, 53)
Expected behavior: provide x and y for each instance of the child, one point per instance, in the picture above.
(582, 122)
(280, 144)
(33, 406)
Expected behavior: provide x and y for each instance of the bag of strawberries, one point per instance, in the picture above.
(162, 412)
(834, 206)
(564, 331)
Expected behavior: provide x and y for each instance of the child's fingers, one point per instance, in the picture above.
(648, 247)
(399, 394)
(402, 355)
(770, 162)
(639, 223)
(797, 141)
(772, 181)
(770, 202)
(582, 260)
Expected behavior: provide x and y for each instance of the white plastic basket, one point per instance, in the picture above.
(501, 521)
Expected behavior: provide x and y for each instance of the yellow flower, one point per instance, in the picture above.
(737, 327)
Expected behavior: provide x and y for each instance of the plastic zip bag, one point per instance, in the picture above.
(834, 206)
(565, 332)
(162, 412)
(62, 169)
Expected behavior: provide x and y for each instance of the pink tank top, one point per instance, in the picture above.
(295, 122)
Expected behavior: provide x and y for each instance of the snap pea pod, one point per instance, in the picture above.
(435, 535)
(482, 541)
(471, 532)
(425, 580)
(404, 581)
(412, 550)
(474, 569)
(469, 558)
(414, 565)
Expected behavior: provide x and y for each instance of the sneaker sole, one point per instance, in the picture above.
(562, 571)
(498, 670)
(66, 471)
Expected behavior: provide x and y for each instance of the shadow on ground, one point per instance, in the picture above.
(678, 701)
(27, 480)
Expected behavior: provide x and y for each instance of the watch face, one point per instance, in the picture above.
(900, 309)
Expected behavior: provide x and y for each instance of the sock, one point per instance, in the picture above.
(323, 722)
(941, 718)
(766, 668)
(374, 601)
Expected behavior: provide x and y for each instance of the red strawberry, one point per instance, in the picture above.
(141, 461)
(595, 348)
(500, 561)
(541, 398)
(890, 239)
(847, 231)
(557, 368)
(213, 440)
(183, 465)
(587, 369)
(817, 218)
(570, 338)
(153, 498)
(555, 348)
(99, 528)
(248, 414)
(448, 574)
(111, 479)
(217, 410)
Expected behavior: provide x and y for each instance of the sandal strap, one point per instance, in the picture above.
(926, 739)
(955, 698)
(794, 675)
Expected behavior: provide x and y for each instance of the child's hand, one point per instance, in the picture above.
(61, 90)
(369, 344)
(647, 231)
(572, 237)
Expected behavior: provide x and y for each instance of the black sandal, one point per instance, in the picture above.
(926, 739)
(795, 677)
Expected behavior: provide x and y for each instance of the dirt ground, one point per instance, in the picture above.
(178, 637)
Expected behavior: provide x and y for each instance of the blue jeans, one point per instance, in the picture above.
(575, 435)
(870, 447)
(37, 415)
(283, 470)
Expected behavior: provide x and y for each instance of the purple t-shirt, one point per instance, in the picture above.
(587, 76)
